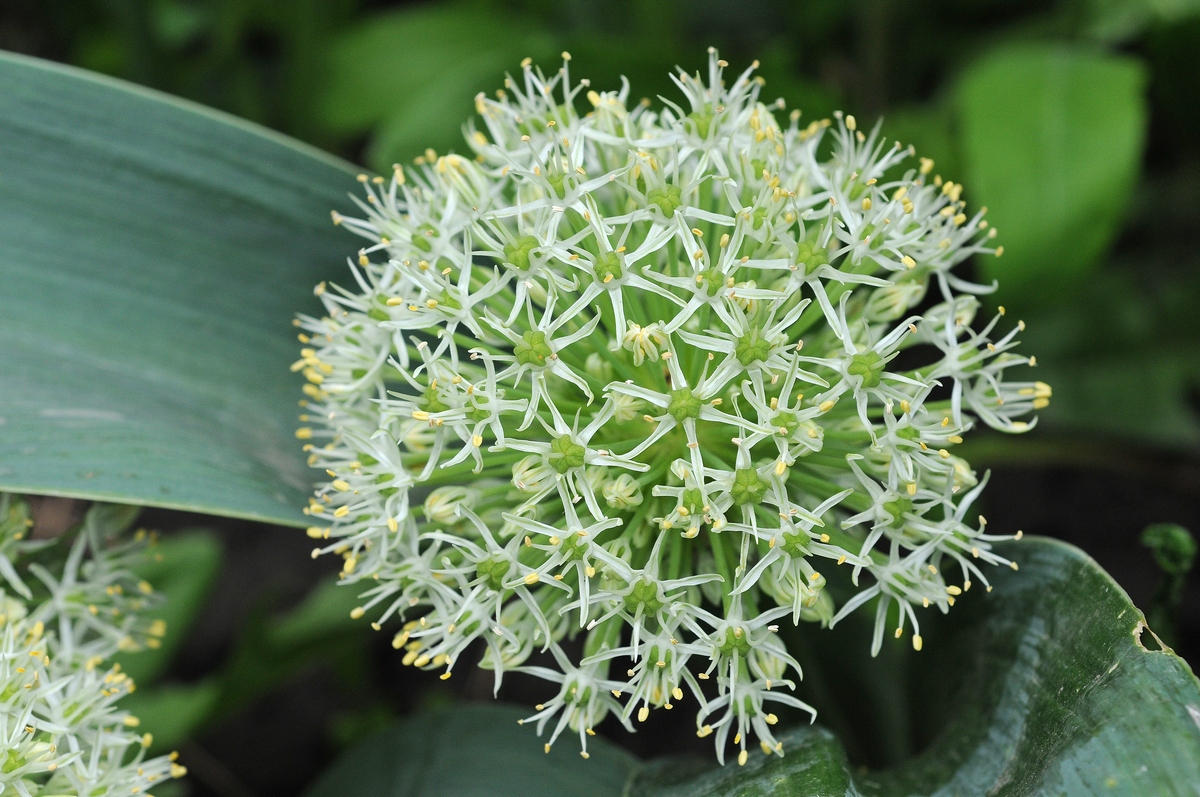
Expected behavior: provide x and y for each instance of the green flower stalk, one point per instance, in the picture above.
(64, 612)
(629, 379)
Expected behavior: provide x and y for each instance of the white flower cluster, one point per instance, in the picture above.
(62, 731)
(628, 379)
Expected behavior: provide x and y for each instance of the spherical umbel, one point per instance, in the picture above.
(628, 377)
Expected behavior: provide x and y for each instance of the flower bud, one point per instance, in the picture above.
(892, 301)
(625, 408)
(623, 492)
(441, 505)
(532, 474)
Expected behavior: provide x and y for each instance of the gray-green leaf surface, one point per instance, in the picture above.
(152, 256)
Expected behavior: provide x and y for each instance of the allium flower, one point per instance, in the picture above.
(62, 730)
(629, 379)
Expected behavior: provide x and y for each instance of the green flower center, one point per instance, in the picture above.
(668, 199)
(752, 347)
(811, 257)
(683, 405)
(869, 366)
(736, 639)
(494, 571)
(608, 267)
(748, 487)
(565, 454)
(517, 254)
(712, 279)
(647, 594)
(693, 501)
(532, 348)
(896, 508)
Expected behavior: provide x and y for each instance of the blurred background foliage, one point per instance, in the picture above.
(1076, 122)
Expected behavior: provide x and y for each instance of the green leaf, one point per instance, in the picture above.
(272, 650)
(1051, 139)
(814, 766)
(172, 713)
(1049, 684)
(473, 751)
(412, 75)
(1040, 687)
(182, 568)
(152, 256)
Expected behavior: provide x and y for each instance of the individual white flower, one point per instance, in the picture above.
(642, 366)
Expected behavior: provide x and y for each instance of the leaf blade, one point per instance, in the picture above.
(1051, 138)
(153, 255)
(472, 751)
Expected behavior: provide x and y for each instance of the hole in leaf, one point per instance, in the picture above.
(1151, 645)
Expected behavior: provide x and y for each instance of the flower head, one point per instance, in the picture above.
(62, 728)
(643, 368)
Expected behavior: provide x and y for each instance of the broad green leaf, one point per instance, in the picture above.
(1049, 685)
(473, 751)
(171, 713)
(271, 650)
(813, 766)
(182, 568)
(324, 613)
(152, 255)
(1051, 141)
(412, 75)
(1040, 687)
